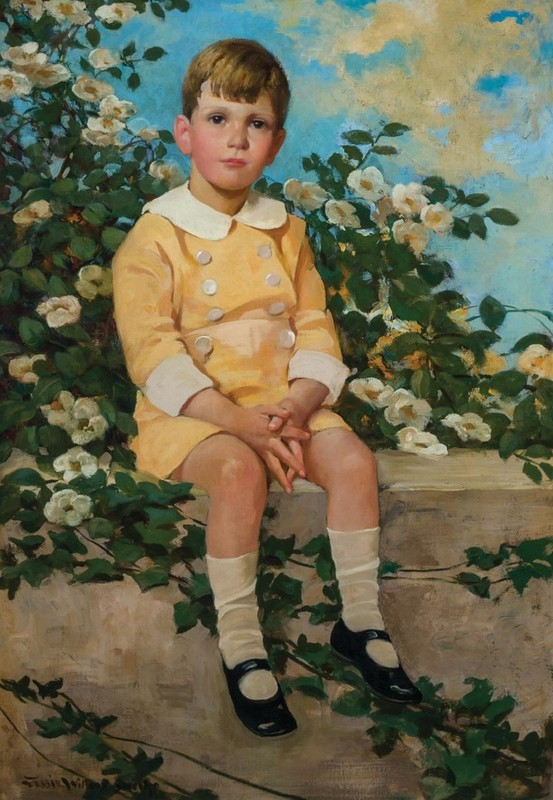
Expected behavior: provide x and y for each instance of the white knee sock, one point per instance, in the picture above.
(355, 555)
(233, 584)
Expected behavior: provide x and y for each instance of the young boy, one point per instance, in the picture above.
(222, 318)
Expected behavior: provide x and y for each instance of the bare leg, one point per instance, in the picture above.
(236, 481)
(339, 462)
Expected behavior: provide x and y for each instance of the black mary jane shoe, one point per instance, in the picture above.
(270, 717)
(389, 683)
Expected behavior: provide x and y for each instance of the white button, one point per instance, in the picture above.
(264, 251)
(203, 257)
(272, 279)
(276, 308)
(286, 339)
(209, 286)
(204, 344)
(215, 314)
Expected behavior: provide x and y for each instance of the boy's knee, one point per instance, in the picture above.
(241, 469)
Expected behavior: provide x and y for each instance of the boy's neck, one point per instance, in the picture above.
(226, 201)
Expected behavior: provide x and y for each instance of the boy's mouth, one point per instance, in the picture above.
(234, 162)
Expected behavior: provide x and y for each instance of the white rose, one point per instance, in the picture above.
(368, 183)
(112, 107)
(71, 11)
(438, 218)
(537, 361)
(21, 368)
(94, 280)
(76, 462)
(411, 440)
(102, 58)
(413, 234)
(371, 390)
(13, 84)
(58, 412)
(116, 12)
(469, 426)
(91, 89)
(107, 125)
(342, 213)
(90, 424)
(45, 75)
(409, 199)
(406, 409)
(309, 196)
(60, 311)
(99, 138)
(148, 134)
(34, 8)
(166, 171)
(66, 507)
(34, 212)
(24, 54)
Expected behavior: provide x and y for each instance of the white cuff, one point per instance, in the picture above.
(173, 382)
(320, 367)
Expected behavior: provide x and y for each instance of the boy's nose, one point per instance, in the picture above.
(238, 136)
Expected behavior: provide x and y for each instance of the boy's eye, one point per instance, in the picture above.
(217, 119)
(259, 124)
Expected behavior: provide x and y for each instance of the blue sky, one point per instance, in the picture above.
(481, 116)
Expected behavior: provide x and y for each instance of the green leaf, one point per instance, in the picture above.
(532, 472)
(34, 280)
(24, 477)
(394, 129)
(32, 332)
(9, 287)
(501, 216)
(467, 769)
(478, 226)
(310, 685)
(460, 228)
(99, 528)
(353, 704)
(15, 412)
(112, 238)
(492, 312)
(83, 247)
(529, 339)
(150, 578)
(95, 214)
(499, 709)
(98, 570)
(358, 137)
(521, 577)
(51, 728)
(92, 745)
(509, 382)
(538, 451)
(93, 37)
(46, 390)
(127, 552)
(384, 150)
(21, 257)
(133, 81)
(476, 200)
(154, 53)
(510, 442)
(185, 616)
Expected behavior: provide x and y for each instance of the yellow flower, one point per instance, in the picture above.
(34, 212)
(13, 84)
(537, 361)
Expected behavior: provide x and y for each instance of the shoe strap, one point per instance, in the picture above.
(250, 665)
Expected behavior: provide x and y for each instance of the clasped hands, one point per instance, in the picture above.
(276, 433)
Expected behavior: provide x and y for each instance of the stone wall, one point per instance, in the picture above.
(117, 651)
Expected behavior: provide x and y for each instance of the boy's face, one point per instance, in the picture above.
(229, 142)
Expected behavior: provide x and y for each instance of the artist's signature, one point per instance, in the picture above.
(34, 782)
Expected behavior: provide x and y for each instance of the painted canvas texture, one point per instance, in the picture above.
(418, 153)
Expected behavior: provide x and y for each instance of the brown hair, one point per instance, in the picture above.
(237, 69)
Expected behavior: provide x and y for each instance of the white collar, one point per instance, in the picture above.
(181, 208)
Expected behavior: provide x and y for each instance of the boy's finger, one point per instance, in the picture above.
(291, 432)
(276, 423)
(275, 467)
(295, 447)
(285, 455)
(274, 411)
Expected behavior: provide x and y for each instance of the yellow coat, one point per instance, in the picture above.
(203, 299)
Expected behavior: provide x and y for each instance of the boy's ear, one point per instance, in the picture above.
(278, 141)
(181, 132)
